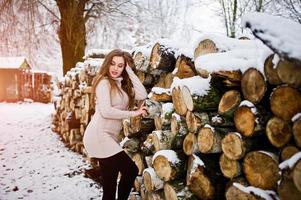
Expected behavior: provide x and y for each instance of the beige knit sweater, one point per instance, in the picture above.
(100, 138)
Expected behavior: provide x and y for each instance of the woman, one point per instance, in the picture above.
(116, 87)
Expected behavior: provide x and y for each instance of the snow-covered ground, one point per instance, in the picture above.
(34, 164)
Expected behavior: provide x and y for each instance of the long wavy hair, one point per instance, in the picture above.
(126, 83)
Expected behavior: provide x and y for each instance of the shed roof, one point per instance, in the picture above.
(14, 63)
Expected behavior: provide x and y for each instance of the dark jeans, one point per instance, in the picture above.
(110, 167)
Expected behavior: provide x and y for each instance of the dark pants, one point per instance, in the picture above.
(110, 167)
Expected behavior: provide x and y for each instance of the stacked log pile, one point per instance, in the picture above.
(73, 107)
(220, 121)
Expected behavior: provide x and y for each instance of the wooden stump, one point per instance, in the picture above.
(261, 170)
(253, 85)
(279, 132)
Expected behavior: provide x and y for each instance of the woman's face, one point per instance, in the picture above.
(117, 66)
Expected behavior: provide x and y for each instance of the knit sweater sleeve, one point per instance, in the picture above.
(140, 91)
(104, 105)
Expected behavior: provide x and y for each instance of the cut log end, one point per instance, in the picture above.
(261, 170)
(233, 146)
(278, 131)
(297, 132)
(229, 102)
(253, 85)
(230, 168)
(206, 140)
(206, 46)
(245, 120)
(162, 168)
(190, 144)
(288, 151)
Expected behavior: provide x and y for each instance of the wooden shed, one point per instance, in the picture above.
(12, 85)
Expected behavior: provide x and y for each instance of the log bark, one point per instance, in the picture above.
(289, 71)
(261, 170)
(184, 67)
(178, 125)
(162, 58)
(197, 180)
(278, 131)
(169, 166)
(228, 103)
(229, 168)
(247, 122)
(285, 102)
(151, 181)
(177, 190)
(209, 140)
(297, 132)
(233, 146)
(204, 47)
(270, 71)
(253, 85)
(132, 145)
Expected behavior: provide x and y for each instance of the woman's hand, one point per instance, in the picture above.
(142, 111)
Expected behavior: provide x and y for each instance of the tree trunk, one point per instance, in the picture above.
(253, 85)
(261, 169)
(234, 147)
(72, 32)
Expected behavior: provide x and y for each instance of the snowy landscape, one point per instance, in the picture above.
(34, 163)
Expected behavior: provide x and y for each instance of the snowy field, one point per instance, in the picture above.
(34, 164)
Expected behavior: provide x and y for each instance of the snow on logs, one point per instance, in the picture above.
(216, 121)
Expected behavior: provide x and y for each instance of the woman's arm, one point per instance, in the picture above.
(140, 91)
(105, 108)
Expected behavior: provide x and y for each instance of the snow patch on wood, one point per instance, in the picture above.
(196, 85)
(265, 194)
(290, 162)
